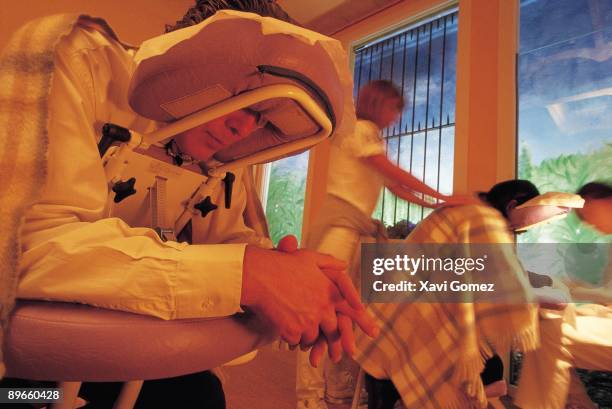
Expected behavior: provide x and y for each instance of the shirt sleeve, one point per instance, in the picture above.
(364, 141)
(108, 264)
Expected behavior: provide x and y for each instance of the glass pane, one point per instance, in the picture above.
(565, 106)
(420, 60)
(565, 101)
(285, 203)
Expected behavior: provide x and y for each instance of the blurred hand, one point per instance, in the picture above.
(461, 200)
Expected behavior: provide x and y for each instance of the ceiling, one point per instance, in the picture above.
(331, 16)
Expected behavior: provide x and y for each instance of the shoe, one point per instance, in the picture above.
(496, 389)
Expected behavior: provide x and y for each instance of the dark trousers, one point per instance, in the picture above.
(201, 390)
(382, 394)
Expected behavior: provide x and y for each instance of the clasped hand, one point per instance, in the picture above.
(308, 297)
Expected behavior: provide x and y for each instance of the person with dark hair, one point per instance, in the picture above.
(507, 195)
(597, 210)
(206, 8)
(597, 213)
(424, 371)
(571, 336)
(577, 337)
(431, 351)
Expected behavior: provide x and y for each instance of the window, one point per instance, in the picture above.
(285, 196)
(421, 61)
(565, 103)
(565, 125)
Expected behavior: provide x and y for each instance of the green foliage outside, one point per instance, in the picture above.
(567, 173)
(285, 206)
(394, 213)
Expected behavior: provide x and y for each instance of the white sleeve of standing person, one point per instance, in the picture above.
(364, 141)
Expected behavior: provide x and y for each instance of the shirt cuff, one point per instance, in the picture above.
(208, 280)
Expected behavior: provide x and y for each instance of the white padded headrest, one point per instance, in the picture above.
(187, 70)
(544, 209)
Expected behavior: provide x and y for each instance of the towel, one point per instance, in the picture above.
(434, 351)
(26, 71)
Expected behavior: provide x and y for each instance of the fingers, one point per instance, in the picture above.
(347, 337)
(362, 318)
(346, 287)
(329, 328)
(309, 337)
(291, 335)
(317, 351)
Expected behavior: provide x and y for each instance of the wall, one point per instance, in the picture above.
(132, 20)
(485, 138)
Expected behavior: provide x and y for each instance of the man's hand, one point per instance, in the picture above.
(341, 340)
(301, 293)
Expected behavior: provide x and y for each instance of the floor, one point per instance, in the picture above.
(267, 382)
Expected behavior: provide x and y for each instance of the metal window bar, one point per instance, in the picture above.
(420, 60)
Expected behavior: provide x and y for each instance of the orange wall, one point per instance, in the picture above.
(485, 132)
(133, 20)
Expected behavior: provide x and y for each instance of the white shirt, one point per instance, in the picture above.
(350, 177)
(72, 253)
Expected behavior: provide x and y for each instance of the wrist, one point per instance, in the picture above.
(252, 258)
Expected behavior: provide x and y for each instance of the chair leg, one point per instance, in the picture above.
(70, 392)
(128, 395)
(358, 387)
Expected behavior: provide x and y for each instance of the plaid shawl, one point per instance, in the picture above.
(26, 71)
(26, 75)
(434, 352)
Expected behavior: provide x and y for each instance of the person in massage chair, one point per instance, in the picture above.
(410, 355)
(576, 336)
(596, 214)
(570, 336)
(597, 206)
(71, 250)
